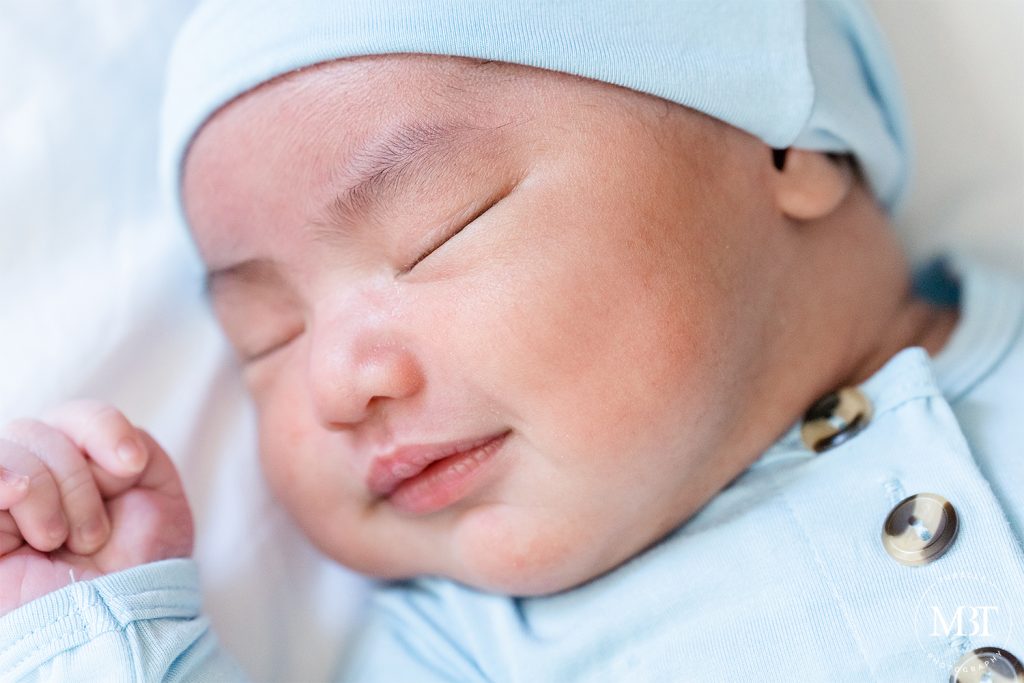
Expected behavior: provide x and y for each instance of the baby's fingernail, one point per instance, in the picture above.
(57, 526)
(92, 531)
(130, 453)
(13, 479)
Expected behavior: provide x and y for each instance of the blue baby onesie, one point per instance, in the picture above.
(782, 576)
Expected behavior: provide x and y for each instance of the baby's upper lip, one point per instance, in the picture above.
(387, 471)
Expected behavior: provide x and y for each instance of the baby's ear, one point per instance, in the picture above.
(809, 185)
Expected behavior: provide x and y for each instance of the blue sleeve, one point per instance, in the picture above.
(410, 635)
(140, 624)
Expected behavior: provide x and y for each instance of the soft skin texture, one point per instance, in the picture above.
(649, 306)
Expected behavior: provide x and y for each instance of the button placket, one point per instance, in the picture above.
(917, 531)
(906, 434)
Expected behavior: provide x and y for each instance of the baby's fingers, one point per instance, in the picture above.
(10, 537)
(38, 512)
(89, 526)
(13, 487)
(102, 431)
(63, 464)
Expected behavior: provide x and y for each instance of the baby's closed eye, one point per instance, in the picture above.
(476, 211)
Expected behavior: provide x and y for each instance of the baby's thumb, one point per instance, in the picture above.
(161, 475)
(146, 527)
(151, 521)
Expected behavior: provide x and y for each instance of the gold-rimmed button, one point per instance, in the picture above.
(990, 664)
(919, 529)
(834, 418)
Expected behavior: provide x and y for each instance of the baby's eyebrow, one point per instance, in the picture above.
(390, 163)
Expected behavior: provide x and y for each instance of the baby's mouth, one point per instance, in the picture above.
(423, 479)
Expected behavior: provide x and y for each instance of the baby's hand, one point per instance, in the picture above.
(83, 493)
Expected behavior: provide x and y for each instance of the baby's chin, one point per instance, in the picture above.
(527, 552)
(498, 548)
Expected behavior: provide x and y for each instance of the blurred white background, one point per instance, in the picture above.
(100, 297)
(962, 66)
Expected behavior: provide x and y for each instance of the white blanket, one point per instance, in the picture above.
(100, 297)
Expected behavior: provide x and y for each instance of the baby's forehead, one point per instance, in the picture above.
(390, 86)
(369, 114)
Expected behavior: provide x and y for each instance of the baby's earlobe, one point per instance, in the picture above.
(808, 184)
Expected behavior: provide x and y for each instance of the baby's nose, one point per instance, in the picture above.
(350, 367)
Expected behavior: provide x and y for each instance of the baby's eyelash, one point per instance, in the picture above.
(437, 246)
(252, 358)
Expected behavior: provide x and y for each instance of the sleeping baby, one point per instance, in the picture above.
(580, 326)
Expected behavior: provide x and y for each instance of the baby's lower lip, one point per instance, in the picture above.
(446, 481)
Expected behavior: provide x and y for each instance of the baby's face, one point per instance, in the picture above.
(575, 269)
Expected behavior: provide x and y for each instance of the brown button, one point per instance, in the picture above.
(834, 418)
(990, 664)
(919, 529)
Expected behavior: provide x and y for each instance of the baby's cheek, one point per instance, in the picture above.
(305, 475)
(604, 368)
(279, 435)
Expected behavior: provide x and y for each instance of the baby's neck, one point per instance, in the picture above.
(916, 323)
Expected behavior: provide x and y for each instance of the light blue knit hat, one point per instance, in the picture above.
(813, 74)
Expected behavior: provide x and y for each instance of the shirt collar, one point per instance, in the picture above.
(991, 318)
